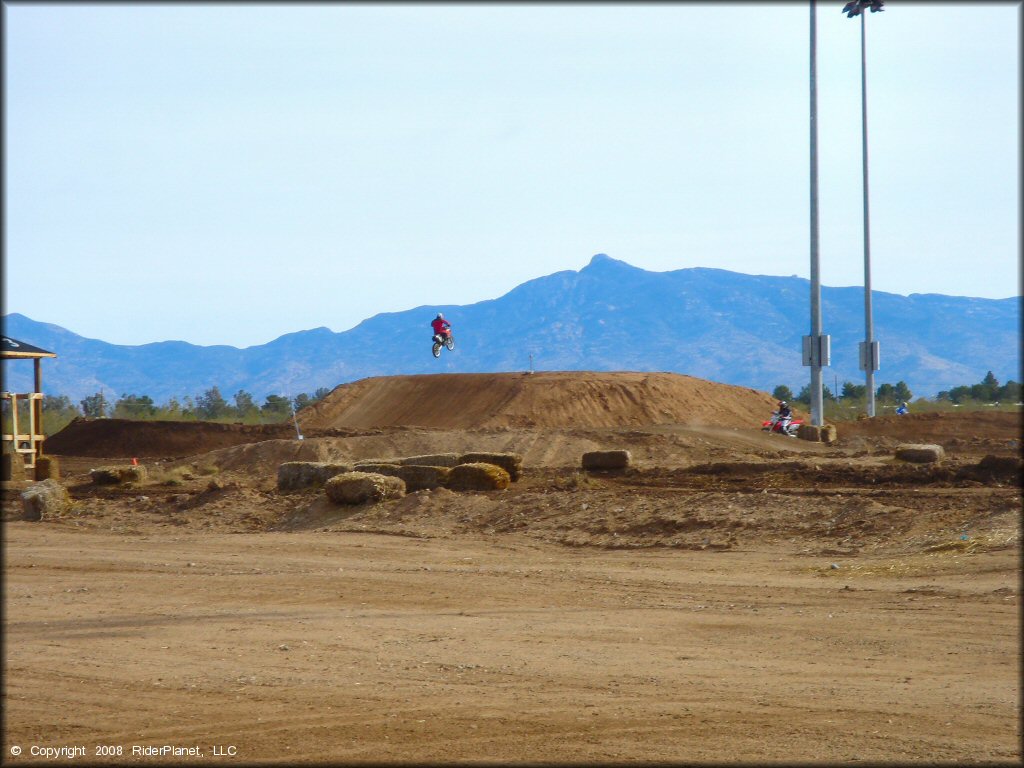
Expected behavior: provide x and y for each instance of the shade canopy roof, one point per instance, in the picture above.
(12, 348)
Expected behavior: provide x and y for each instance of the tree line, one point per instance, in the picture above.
(988, 390)
(210, 405)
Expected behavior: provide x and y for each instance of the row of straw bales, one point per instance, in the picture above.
(418, 472)
(387, 478)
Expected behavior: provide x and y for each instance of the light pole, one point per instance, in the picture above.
(816, 345)
(869, 348)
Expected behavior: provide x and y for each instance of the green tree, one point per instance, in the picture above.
(212, 405)
(886, 393)
(58, 411)
(902, 392)
(987, 391)
(1009, 392)
(782, 392)
(805, 395)
(276, 407)
(320, 394)
(94, 406)
(134, 407)
(958, 395)
(245, 404)
(854, 391)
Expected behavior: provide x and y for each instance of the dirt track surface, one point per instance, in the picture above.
(734, 596)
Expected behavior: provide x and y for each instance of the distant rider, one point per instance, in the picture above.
(785, 415)
(440, 326)
(902, 410)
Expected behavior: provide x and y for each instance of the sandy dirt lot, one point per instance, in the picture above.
(732, 597)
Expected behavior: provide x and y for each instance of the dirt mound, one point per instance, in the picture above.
(147, 439)
(539, 400)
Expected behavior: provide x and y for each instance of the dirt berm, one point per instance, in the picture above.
(544, 400)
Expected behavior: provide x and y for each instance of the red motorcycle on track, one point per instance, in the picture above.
(786, 425)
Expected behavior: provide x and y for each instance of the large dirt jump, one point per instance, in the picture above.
(537, 400)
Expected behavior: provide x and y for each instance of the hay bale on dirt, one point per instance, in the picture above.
(823, 434)
(510, 462)
(47, 468)
(478, 476)
(596, 460)
(117, 475)
(920, 454)
(44, 499)
(432, 460)
(13, 467)
(389, 468)
(416, 478)
(293, 475)
(419, 478)
(375, 462)
(361, 487)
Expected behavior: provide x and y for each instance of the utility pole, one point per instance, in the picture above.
(869, 348)
(816, 346)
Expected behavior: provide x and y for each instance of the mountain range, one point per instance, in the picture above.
(609, 316)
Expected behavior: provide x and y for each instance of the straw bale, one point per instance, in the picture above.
(293, 475)
(44, 499)
(510, 462)
(383, 468)
(920, 453)
(361, 487)
(418, 478)
(606, 460)
(117, 475)
(823, 434)
(13, 467)
(47, 468)
(432, 460)
(478, 476)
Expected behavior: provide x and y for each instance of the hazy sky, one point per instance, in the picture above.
(228, 174)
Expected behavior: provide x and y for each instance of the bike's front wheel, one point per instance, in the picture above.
(450, 343)
(436, 349)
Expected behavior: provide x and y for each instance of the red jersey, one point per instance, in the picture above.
(439, 325)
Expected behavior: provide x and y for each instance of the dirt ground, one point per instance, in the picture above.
(732, 597)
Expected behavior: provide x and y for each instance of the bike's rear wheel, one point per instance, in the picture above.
(436, 349)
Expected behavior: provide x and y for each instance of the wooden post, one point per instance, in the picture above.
(37, 409)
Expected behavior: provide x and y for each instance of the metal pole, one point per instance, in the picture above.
(816, 394)
(869, 330)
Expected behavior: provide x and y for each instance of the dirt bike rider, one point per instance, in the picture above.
(784, 415)
(441, 327)
(903, 410)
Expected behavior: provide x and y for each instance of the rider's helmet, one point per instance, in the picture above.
(440, 316)
(782, 403)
